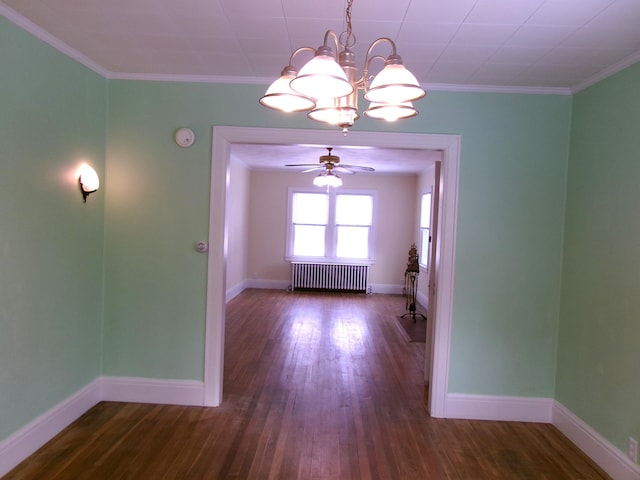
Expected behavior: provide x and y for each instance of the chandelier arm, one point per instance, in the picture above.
(331, 35)
(364, 81)
(378, 41)
(368, 58)
(300, 50)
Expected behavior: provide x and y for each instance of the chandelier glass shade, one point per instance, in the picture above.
(331, 111)
(395, 85)
(281, 97)
(322, 77)
(327, 85)
(391, 112)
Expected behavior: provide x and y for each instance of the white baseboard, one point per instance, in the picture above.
(146, 390)
(256, 283)
(485, 407)
(382, 288)
(545, 410)
(36, 433)
(235, 290)
(598, 448)
(268, 284)
(422, 299)
(386, 288)
(32, 436)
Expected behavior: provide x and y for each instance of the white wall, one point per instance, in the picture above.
(267, 224)
(237, 208)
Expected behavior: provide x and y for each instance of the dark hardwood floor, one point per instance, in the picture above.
(317, 386)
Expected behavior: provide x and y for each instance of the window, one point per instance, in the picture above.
(425, 229)
(331, 226)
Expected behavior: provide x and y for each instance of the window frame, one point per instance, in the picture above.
(331, 234)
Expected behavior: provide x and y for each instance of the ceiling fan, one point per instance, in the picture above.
(330, 165)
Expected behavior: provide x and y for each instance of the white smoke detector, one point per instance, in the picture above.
(185, 137)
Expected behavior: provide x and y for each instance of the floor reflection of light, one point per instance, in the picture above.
(305, 328)
(348, 336)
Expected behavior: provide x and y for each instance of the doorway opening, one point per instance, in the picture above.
(225, 137)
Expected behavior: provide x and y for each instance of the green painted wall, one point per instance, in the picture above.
(508, 255)
(512, 189)
(155, 202)
(127, 255)
(53, 117)
(599, 339)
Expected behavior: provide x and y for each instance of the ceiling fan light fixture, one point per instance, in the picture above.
(319, 180)
(327, 179)
(332, 180)
(280, 96)
(329, 165)
(390, 112)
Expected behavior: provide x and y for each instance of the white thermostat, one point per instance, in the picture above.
(185, 137)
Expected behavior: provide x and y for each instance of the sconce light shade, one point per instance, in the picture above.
(88, 181)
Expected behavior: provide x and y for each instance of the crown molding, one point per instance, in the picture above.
(52, 41)
(430, 87)
(168, 77)
(607, 72)
(444, 87)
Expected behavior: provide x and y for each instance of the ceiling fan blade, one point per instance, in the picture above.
(343, 170)
(312, 169)
(358, 168)
(303, 165)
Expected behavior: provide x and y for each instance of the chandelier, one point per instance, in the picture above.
(327, 85)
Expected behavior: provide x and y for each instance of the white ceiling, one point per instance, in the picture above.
(529, 46)
(519, 45)
(383, 160)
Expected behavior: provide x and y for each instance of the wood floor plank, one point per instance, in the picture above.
(317, 386)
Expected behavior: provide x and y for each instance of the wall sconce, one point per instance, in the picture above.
(88, 181)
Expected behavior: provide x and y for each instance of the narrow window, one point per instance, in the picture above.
(354, 219)
(309, 224)
(425, 229)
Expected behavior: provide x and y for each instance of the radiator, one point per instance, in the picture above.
(334, 277)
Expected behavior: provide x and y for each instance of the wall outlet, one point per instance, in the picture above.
(633, 449)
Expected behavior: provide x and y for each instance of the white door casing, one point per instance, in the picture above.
(224, 137)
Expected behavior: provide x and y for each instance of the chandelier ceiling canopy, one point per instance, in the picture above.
(327, 85)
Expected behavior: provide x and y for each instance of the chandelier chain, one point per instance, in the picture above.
(348, 40)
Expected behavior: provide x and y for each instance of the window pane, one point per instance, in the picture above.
(311, 208)
(308, 240)
(425, 211)
(354, 209)
(424, 247)
(353, 242)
